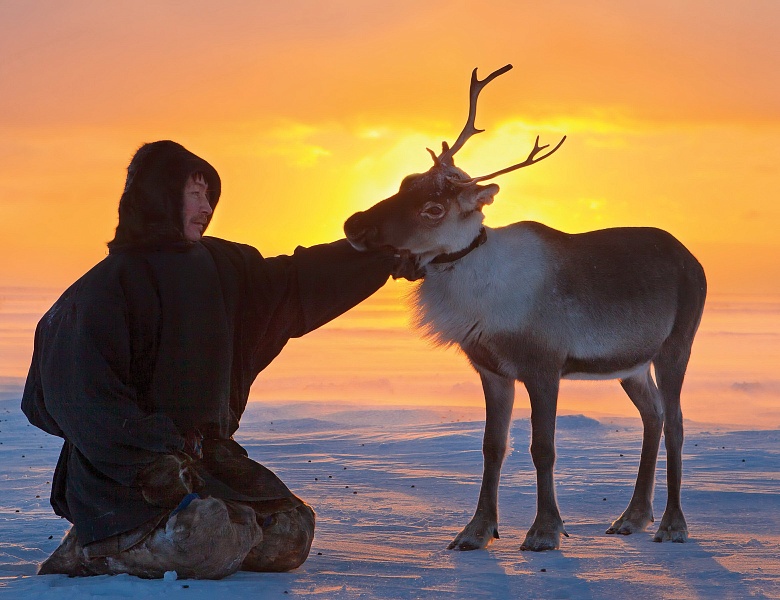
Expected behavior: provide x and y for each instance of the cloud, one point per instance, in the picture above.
(757, 388)
(298, 144)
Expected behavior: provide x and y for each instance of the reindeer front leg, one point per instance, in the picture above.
(545, 533)
(499, 399)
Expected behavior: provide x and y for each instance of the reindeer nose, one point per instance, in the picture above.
(358, 232)
(352, 225)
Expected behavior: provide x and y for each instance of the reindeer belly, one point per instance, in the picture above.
(598, 370)
(522, 355)
(612, 357)
(614, 343)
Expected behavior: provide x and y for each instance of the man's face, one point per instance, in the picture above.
(197, 210)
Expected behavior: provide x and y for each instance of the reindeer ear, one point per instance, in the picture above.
(475, 197)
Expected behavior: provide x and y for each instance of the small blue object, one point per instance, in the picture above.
(185, 502)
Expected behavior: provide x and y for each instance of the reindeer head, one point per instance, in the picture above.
(440, 211)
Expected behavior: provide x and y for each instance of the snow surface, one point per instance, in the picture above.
(392, 487)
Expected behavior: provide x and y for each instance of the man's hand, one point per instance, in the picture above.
(406, 266)
(168, 479)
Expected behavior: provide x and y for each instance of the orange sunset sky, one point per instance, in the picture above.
(311, 110)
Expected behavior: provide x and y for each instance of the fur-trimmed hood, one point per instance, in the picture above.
(150, 210)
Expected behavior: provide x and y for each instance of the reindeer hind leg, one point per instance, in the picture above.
(645, 395)
(670, 366)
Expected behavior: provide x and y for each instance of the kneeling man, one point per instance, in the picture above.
(143, 367)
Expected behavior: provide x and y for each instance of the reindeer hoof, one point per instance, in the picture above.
(543, 537)
(626, 528)
(633, 520)
(476, 535)
(541, 541)
(670, 535)
(673, 528)
(465, 545)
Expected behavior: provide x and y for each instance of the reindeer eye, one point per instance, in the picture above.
(433, 211)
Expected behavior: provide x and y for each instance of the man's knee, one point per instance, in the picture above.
(208, 539)
(287, 539)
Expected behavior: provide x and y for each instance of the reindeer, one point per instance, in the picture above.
(531, 304)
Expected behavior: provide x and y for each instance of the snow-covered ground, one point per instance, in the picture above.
(392, 487)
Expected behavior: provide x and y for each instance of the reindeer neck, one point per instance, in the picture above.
(451, 257)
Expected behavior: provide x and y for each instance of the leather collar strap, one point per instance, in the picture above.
(453, 256)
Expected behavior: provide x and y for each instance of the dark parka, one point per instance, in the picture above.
(165, 337)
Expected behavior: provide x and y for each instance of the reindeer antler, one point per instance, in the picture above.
(528, 161)
(447, 152)
(474, 89)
